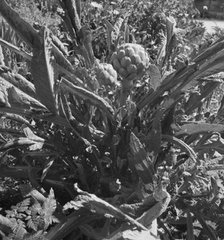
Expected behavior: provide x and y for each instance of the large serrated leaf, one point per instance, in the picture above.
(154, 212)
(14, 97)
(170, 38)
(31, 140)
(38, 141)
(170, 26)
(126, 32)
(117, 27)
(98, 205)
(20, 82)
(22, 141)
(17, 118)
(162, 50)
(85, 35)
(214, 186)
(110, 29)
(4, 102)
(197, 128)
(87, 95)
(155, 135)
(3, 28)
(155, 76)
(185, 147)
(15, 49)
(29, 134)
(2, 58)
(140, 160)
(43, 72)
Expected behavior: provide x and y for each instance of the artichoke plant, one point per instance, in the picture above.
(69, 135)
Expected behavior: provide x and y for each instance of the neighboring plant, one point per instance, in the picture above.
(30, 218)
(130, 129)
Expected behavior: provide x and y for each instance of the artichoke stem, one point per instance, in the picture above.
(125, 92)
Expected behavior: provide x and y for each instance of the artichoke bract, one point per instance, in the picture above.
(130, 60)
(106, 74)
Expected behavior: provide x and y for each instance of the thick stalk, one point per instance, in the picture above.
(125, 92)
(70, 6)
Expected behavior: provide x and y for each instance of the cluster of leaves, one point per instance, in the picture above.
(38, 12)
(66, 128)
(30, 218)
